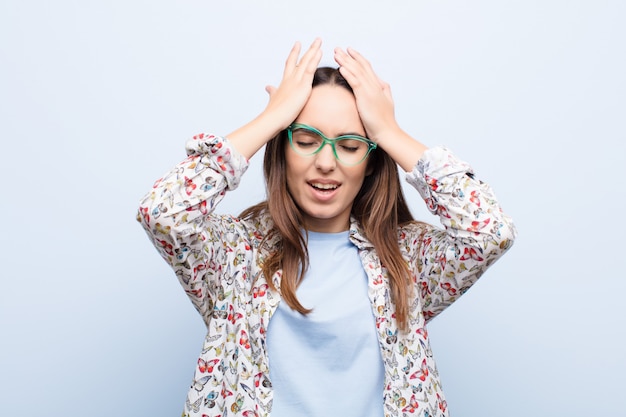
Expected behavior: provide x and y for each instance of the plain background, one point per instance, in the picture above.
(97, 99)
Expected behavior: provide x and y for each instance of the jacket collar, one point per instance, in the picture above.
(357, 236)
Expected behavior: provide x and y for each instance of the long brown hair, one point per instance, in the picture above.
(379, 207)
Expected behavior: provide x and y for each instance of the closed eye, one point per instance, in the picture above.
(306, 139)
(351, 149)
(350, 145)
(307, 144)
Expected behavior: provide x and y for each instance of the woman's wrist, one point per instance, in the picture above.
(403, 148)
(251, 137)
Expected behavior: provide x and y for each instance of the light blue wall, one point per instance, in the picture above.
(98, 98)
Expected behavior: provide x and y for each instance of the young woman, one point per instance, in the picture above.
(316, 300)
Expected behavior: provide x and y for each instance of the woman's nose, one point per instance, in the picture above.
(325, 159)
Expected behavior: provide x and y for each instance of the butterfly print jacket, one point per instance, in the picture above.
(217, 260)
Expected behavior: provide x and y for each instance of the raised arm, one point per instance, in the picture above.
(476, 232)
(177, 212)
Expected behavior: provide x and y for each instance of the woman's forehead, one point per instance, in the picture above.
(332, 110)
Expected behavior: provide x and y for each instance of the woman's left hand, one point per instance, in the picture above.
(376, 109)
(373, 96)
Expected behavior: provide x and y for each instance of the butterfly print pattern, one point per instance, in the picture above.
(217, 260)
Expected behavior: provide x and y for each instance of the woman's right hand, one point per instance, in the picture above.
(288, 99)
(285, 103)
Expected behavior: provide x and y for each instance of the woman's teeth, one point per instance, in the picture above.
(324, 186)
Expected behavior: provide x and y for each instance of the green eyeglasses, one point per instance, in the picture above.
(348, 149)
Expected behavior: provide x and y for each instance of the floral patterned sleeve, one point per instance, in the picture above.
(477, 232)
(177, 213)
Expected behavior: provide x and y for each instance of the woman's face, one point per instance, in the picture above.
(321, 186)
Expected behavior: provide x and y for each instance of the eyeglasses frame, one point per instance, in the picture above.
(331, 141)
